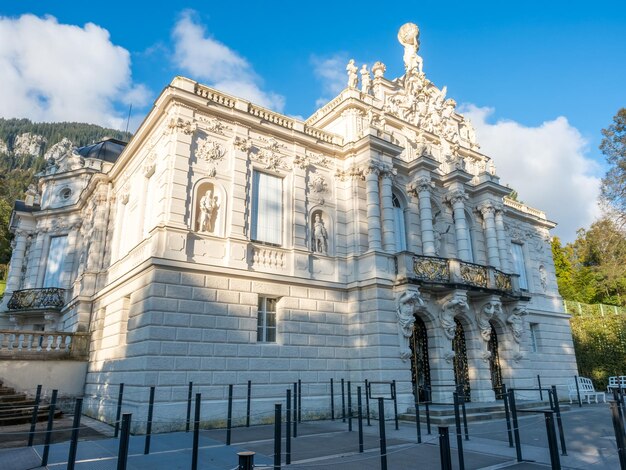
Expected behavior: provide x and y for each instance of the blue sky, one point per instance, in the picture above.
(551, 70)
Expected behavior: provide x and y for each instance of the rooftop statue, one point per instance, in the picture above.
(408, 35)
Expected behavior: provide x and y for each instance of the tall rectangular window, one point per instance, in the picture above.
(266, 320)
(267, 208)
(519, 265)
(534, 345)
(55, 262)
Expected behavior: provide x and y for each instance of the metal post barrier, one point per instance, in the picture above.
(349, 407)
(518, 445)
(146, 448)
(189, 406)
(427, 405)
(277, 433)
(249, 398)
(580, 402)
(343, 401)
(34, 418)
(295, 405)
(367, 402)
(71, 457)
(417, 415)
(360, 417)
(229, 418)
(507, 414)
(381, 430)
(559, 421)
(464, 415)
(51, 410)
(444, 448)
(551, 401)
(332, 400)
(539, 385)
(196, 433)
(122, 453)
(246, 460)
(552, 445)
(299, 401)
(459, 436)
(395, 403)
(118, 414)
(618, 429)
(288, 430)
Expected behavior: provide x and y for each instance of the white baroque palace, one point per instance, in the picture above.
(226, 242)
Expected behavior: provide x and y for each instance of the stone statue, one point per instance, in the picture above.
(408, 36)
(455, 305)
(489, 310)
(209, 206)
(543, 277)
(320, 236)
(516, 322)
(366, 81)
(353, 78)
(408, 303)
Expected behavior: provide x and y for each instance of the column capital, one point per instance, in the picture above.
(456, 196)
(486, 208)
(421, 184)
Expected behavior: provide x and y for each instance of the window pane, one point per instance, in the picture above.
(54, 263)
(271, 319)
(267, 208)
(271, 335)
(519, 265)
(400, 231)
(259, 334)
(271, 305)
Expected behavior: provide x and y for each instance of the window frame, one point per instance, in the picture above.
(257, 215)
(534, 337)
(519, 265)
(399, 222)
(56, 278)
(266, 333)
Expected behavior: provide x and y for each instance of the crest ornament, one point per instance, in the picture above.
(319, 186)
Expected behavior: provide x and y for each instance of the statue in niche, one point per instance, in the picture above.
(366, 81)
(408, 36)
(408, 303)
(209, 205)
(353, 78)
(320, 235)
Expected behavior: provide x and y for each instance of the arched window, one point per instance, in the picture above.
(399, 226)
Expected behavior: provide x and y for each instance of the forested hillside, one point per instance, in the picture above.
(23, 146)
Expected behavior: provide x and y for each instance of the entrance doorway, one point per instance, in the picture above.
(461, 370)
(420, 367)
(494, 364)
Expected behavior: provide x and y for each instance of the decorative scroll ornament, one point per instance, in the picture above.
(319, 187)
(421, 184)
(455, 304)
(487, 312)
(149, 165)
(516, 322)
(211, 152)
(180, 125)
(242, 144)
(270, 155)
(456, 197)
(212, 124)
(312, 159)
(409, 303)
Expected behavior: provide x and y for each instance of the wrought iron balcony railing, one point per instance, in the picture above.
(50, 298)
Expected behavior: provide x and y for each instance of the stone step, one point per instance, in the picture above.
(21, 410)
(12, 398)
(26, 418)
(7, 391)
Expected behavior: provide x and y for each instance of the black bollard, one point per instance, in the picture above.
(118, 414)
(620, 436)
(189, 406)
(417, 415)
(33, 420)
(539, 385)
(444, 448)
(518, 446)
(122, 454)
(349, 407)
(229, 419)
(507, 414)
(288, 430)
(394, 395)
(246, 460)
(552, 444)
(295, 406)
(381, 430)
(427, 405)
(146, 448)
(46, 449)
(299, 401)
(459, 437)
(559, 422)
(196, 433)
(580, 402)
(332, 400)
(249, 397)
(360, 417)
(343, 401)
(277, 434)
(71, 457)
(367, 401)
(464, 415)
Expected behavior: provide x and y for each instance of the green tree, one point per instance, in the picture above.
(564, 270)
(613, 146)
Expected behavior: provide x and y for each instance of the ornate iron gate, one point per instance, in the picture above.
(494, 364)
(420, 367)
(461, 370)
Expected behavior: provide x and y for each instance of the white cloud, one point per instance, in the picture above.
(59, 72)
(331, 71)
(205, 58)
(546, 165)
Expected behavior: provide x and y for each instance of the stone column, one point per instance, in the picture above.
(17, 261)
(501, 236)
(457, 199)
(421, 188)
(389, 239)
(373, 207)
(488, 211)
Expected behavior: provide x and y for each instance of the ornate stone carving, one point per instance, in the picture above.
(312, 159)
(486, 208)
(209, 205)
(212, 124)
(455, 304)
(149, 165)
(353, 78)
(488, 311)
(242, 144)
(270, 155)
(516, 322)
(409, 303)
(320, 235)
(543, 277)
(319, 187)
(421, 184)
(211, 152)
(456, 196)
(379, 69)
(366, 81)
(408, 36)
(180, 125)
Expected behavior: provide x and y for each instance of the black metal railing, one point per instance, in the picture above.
(429, 268)
(474, 274)
(37, 299)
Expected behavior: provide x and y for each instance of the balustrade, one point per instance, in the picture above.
(44, 343)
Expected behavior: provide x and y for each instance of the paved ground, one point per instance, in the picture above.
(327, 444)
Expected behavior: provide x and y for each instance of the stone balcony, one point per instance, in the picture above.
(450, 273)
(46, 298)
